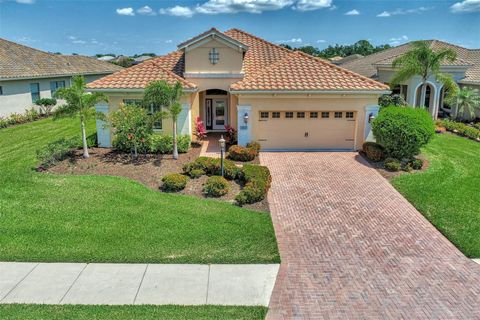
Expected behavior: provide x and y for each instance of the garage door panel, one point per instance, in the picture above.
(306, 133)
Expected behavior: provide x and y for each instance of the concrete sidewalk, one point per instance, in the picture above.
(115, 284)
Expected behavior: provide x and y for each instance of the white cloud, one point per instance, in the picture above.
(293, 40)
(25, 1)
(353, 12)
(466, 6)
(386, 14)
(396, 41)
(321, 41)
(168, 41)
(178, 11)
(146, 10)
(126, 12)
(310, 5)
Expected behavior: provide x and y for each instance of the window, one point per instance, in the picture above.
(157, 125)
(54, 85)
(1, 90)
(325, 114)
(349, 115)
(35, 91)
(300, 114)
(313, 115)
(213, 56)
(276, 115)
(289, 115)
(338, 115)
(264, 115)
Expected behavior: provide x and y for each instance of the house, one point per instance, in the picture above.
(465, 70)
(340, 60)
(285, 100)
(28, 74)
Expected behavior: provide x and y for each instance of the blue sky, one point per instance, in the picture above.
(136, 26)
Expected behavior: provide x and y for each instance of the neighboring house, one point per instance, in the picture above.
(465, 70)
(350, 58)
(106, 58)
(28, 74)
(141, 59)
(285, 100)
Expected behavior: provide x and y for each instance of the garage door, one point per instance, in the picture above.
(307, 130)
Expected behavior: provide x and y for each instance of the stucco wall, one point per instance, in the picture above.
(313, 103)
(197, 59)
(17, 97)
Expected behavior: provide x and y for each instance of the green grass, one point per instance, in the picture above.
(49, 217)
(448, 193)
(77, 312)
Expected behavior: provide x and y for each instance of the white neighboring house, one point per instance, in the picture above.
(28, 74)
(465, 70)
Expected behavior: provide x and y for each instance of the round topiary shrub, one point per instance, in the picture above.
(174, 182)
(417, 164)
(403, 131)
(216, 186)
(374, 151)
(196, 173)
(392, 164)
(254, 145)
(239, 153)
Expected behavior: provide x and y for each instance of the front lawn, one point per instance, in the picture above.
(78, 312)
(448, 192)
(49, 217)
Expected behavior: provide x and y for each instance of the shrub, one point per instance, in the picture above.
(211, 166)
(216, 186)
(56, 151)
(174, 182)
(200, 131)
(403, 131)
(196, 173)
(254, 145)
(163, 143)
(392, 164)
(407, 167)
(231, 134)
(46, 105)
(374, 151)
(387, 100)
(416, 164)
(239, 153)
(461, 129)
(31, 114)
(257, 182)
(3, 122)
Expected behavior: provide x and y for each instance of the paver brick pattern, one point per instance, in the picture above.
(353, 248)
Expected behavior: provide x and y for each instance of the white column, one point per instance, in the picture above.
(184, 122)
(103, 131)
(371, 111)
(244, 128)
(436, 101)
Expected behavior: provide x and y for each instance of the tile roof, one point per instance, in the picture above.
(18, 62)
(266, 67)
(469, 58)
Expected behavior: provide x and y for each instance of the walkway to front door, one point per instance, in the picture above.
(211, 146)
(353, 248)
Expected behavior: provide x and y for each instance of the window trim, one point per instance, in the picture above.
(54, 86)
(313, 112)
(32, 93)
(338, 113)
(277, 113)
(263, 113)
(347, 113)
(327, 113)
(302, 113)
(289, 112)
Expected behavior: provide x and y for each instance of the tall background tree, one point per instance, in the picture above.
(363, 47)
(467, 102)
(78, 103)
(160, 94)
(423, 61)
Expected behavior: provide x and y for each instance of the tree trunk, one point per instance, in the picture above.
(135, 151)
(84, 139)
(175, 149)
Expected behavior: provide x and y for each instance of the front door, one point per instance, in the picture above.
(219, 114)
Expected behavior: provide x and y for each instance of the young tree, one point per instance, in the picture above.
(78, 103)
(421, 60)
(161, 94)
(467, 101)
(46, 105)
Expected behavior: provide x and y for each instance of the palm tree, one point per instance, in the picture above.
(79, 103)
(421, 60)
(467, 101)
(161, 94)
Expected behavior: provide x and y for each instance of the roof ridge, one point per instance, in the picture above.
(379, 53)
(334, 66)
(452, 44)
(260, 39)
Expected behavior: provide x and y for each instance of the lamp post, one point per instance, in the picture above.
(222, 152)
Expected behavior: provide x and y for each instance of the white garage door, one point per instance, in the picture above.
(307, 130)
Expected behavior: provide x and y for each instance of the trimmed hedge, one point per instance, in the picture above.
(461, 128)
(216, 186)
(373, 151)
(174, 182)
(212, 166)
(392, 164)
(257, 183)
(163, 143)
(239, 153)
(403, 131)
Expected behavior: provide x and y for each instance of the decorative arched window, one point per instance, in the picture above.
(213, 56)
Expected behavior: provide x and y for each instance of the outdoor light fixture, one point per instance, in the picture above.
(371, 117)
(222, 152)
(245, 118)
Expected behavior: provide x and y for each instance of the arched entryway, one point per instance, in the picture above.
(429, 102)
(215, 109)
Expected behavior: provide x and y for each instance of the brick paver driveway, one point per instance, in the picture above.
(353, 248)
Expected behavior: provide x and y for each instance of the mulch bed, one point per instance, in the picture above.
(148, 169)
(389, 175)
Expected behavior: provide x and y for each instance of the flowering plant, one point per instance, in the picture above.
(200, 131)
